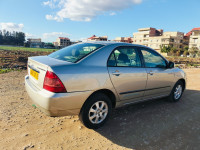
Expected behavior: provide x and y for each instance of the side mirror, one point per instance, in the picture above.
(171, 64)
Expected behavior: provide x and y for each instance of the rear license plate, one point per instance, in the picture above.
(34, 74)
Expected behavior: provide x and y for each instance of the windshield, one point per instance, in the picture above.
(75, 52)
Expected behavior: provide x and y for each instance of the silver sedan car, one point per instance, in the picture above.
(90, 79)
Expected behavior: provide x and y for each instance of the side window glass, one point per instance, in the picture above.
(125, 57)
(112, 61)
(152, 59)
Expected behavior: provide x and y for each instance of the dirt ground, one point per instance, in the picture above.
(153, 125)
(16, 59)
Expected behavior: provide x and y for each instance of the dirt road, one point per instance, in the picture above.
(152, 125)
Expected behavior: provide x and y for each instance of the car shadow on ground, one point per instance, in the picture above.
(157, 124)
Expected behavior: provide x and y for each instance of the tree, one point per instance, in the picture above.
(12, 38)
(165, 49)
(178, 53)
(186, 48)
(1, 37)
(185, 53)
(174, 49)
(20, 36)
(194, 52)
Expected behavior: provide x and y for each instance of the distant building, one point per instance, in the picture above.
(186, 40)
(62, 42)
(34, 40)
(55, 44)
(49, 45)
(173, 39)
(75, 42)
(95, 38)
(155, 39)
(124, 39)
(194, 38)
(35, 43)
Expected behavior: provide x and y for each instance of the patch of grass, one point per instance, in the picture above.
(8, 70)
(27, 49)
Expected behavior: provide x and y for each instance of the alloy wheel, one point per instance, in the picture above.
(178, 91)
(98, 112)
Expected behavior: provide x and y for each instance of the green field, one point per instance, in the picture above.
(26, 49)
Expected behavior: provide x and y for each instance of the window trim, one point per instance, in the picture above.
(155, 52)
(137, 53)
(89, 53)
(80, 59)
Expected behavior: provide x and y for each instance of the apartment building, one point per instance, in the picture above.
(100, 38)
(62, 42)
(186, 40)
(194, 38)
(155, 38)
(124, 39)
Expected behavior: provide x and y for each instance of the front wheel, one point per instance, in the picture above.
(176, 92)
(96, 111)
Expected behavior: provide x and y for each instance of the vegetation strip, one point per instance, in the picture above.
(27, 49)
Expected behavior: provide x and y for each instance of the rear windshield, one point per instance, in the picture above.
(75, 52)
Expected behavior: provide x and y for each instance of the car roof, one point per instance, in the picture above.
(113, 43)
(116, 43)
(106, 43)
(102, 42)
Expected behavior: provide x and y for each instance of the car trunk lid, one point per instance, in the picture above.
(38, 66)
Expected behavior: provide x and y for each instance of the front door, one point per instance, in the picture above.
(160, 78)
(126, 73)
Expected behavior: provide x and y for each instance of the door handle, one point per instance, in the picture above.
(150, 72)
(116, 73)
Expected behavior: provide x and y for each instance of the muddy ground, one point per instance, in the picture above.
(153, 125)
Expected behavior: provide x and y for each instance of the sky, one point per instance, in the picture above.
(80, 19)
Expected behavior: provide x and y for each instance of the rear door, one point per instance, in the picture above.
(126, 72)
(160, 78)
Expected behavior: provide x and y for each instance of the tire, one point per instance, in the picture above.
(176, 92)
(91, 116)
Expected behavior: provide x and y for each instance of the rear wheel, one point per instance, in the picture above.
(176, 92)
(96, 111)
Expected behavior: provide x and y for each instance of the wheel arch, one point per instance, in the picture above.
(184, 83)
(108, 93)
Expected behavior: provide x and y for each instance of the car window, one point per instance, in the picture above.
(75, 52)
(112, 61)
(152, 59)
(124, 57)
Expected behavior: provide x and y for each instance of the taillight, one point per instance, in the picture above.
(53, 84)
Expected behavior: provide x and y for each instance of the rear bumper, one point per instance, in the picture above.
(56, 104)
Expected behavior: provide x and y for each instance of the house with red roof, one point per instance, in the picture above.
(100, 38)
(194, 38)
